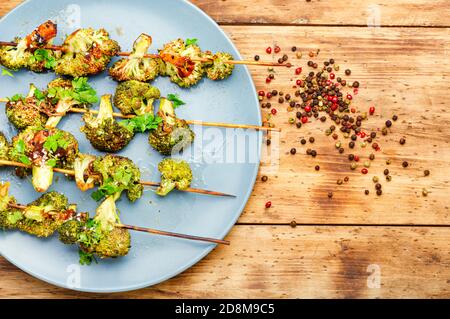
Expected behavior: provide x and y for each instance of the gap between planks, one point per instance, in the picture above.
(250, 24)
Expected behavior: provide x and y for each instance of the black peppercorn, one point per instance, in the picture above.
(293, 151)
(256, 57)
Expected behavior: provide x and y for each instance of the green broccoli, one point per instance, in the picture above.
(175, 174)
(134, 97)
(86, 52)
(172, 135)
(29, 52)
(23, 112)
(67, 94)
(173, 51)
(5, 147)
(117, 174)
(218, 69)
(83, 177)
(71, 229)
(44, 149)
(104, 133)
(136, 66)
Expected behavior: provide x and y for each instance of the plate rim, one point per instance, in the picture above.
(224, 233)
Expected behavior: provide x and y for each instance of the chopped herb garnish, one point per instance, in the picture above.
(6, 72)
(191, 41)
(142, 123)
(51, 162)
(86, 258)
(54, 141)
(81, 92)
(43, 55)
(175, 99)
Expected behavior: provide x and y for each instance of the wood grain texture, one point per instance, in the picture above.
(402, 71)
(302, 262)
(316, 12)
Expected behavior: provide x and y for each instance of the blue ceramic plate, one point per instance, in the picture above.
(223, 160)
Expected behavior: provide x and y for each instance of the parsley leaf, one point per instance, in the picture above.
(51, 162)
(142, 123)
(175, 99)
(17, 97)
(54, 141)
(191, 41)
(86, 258)
(6, 72)
(81, 92)
(43, 55)
(24, 159)
(19, 153)
(39, 94)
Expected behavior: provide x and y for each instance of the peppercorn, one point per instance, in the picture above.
(378, 186)
(375, 179)
(285, 57)
(291, 120)
(366, 192)
(313, 153)
(346, 179)
(388, 178)
(402, 141)
(373, 135)
(280, 61)
(308, 151)
(288, 97)
(388, 162)
(256, 57)
(271, 76)
(339, 181)
(426, 172)
(311, 139)
(388, 123)
(384, 131)
(268, 142)
(348, 72)
(274, 92)
(351, 157)
(331, 61)
(379, 192)
(366, 164)
(341, 150)
(293, 224)
(424, 192)
(353, 166)
(299, 124)
(303, 141)
(264, 178)
(372, 157)
(330, 194)
(280, 99)
(386, 172)
(351, 144)
(317, 168)
(294, 48)
(395, 118)
(405, 164)
(293, 151)
(268, 204)
(355, 84)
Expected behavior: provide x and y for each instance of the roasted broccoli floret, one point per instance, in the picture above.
(136, 66)
(175, 174)
(70, 230)
(171, 54)
(27, 111)
(44, 149)
(117, 174)
(86, 52)
(134, 97)
(40, 218)
(172, 135)
(103, 131)
(5, 147)
(217, 69)
(29, 52)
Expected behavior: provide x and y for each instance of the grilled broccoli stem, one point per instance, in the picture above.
(67, 94)
(29, 52)
(5, 147)
(180, 49)
(28, 111)
(103, 131)
(172, 135)
(118, 174)
(82, 166)
(175, 174)
(136, 66)
(86, 52)
(134, 97)
(41, 218)
(218, 69)
(44, 149)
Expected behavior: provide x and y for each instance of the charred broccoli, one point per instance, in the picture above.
(217, 69)
(29, 52)
(104, 133)
(4, 147)
(175, 174)
(134, 97)
(44, 149)
(70, 230)
(137, 67)
(27, 111)
(67, 94)
(117, 174)
(86, 52)
(40, 218)
(171, 54)
(82, 168)
(172, 135)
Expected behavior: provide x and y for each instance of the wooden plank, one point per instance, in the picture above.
(302, 262)
(348, 12)
(340, 12)
(402, 71)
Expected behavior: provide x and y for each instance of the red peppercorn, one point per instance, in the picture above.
(276, 49)
(328, 82)
(269, 50)
(307, 108)
(268, 204)
(332, 76)
(356, 158)
(298, 71)
(364, 170)
(349, 96)
(299, 82)
(273, 111)
(362, 134)
(355, 91)
(268, 80)
(334, 107)
(269, 95)
(261, 93)
(334, 99)
(304, 119)
(353, 110)
(372, 110)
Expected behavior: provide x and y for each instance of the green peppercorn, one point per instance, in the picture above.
(353, 166)
(375, 179)
(366, 164)
(291, 120)
(388, 178)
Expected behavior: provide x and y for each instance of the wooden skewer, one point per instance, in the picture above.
(154, 231)
(144, 183)
(246, 62)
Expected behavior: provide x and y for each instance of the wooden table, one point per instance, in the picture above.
(339, 246)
